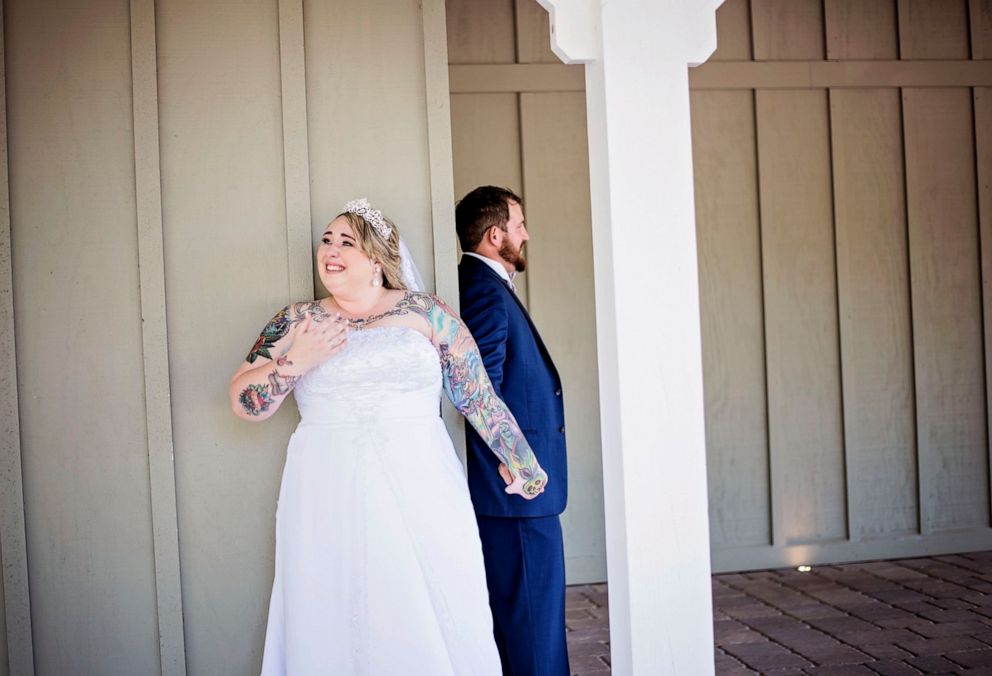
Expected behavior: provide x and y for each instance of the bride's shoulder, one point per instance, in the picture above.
(428, 303)
(437, 317)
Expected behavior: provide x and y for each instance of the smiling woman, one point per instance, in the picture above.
(376, 539)
(378, 246)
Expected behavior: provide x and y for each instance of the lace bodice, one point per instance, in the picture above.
(390, 371)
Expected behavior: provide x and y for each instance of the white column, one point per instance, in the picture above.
(647, 318)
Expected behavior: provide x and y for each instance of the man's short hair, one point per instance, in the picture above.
(485, 207)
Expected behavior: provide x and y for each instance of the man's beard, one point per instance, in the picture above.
(514, 257)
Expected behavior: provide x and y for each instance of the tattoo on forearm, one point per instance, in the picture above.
(280, 325)
(468, 386)
(256, 399)
(282, 384)
(474, 397)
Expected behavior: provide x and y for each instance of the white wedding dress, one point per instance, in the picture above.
(378, 563)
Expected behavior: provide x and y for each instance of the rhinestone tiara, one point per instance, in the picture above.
(361, 207)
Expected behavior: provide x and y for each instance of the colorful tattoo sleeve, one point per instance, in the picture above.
(468, 387)
(268, 384)
(280, 325)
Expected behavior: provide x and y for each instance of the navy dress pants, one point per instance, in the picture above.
(525, 572)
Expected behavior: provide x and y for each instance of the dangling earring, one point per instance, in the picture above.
(377, 275)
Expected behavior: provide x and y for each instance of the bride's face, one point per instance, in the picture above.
(341, 263)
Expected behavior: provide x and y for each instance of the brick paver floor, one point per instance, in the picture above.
(912, 616)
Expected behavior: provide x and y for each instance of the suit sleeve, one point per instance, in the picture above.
(485, 314)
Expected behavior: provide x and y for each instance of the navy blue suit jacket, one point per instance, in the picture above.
(526, 379)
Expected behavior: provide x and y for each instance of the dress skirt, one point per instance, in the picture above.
(379, 567)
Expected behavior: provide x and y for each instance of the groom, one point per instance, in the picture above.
(521, 540)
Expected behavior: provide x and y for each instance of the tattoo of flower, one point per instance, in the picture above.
(277, 327)
(255, 399)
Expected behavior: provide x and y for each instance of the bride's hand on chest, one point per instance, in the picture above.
(316, 341)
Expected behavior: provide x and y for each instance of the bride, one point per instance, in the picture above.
(378, 563)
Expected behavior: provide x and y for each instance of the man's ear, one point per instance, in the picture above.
(493, 235)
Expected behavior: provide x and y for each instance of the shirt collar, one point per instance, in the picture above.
(495, 265)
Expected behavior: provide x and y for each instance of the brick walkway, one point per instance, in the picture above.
(930, 616)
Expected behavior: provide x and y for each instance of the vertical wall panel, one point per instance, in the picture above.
(16, 649)
(4, 656)
(876, 336)
(944, 260)
(981, 28)
(438, 104)
(154, 338)
(367, 117)
(730, 298)
(787, 29)
(226, 275)
(78, 333)
(480, 31)
(296, 155)
(933, 29)
(733, 31)
(983, 144)
(485, 131)
(533, 33)
(485, 141)
(861, 29)
(805, 427)
(556, 179)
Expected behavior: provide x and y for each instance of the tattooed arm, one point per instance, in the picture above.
(470, 390)
(303, 336)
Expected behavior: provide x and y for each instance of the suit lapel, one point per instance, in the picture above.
(516, 299)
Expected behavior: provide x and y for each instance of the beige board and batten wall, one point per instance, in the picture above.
(534, 142)
(249, 124)
(845, 260)
(849, 380)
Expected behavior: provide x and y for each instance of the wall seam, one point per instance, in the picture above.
(774, 496)
(920, 493)
(844, 450)
(983, 283)
(154, 338)
(774, 500)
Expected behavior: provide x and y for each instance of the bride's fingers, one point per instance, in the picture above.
(331, 329)
(336, 344)
(305, 324)
(504, 472)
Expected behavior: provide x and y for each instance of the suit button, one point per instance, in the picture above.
(562, 429)
(558, 392)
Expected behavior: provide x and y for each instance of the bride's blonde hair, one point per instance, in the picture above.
(382, 250)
